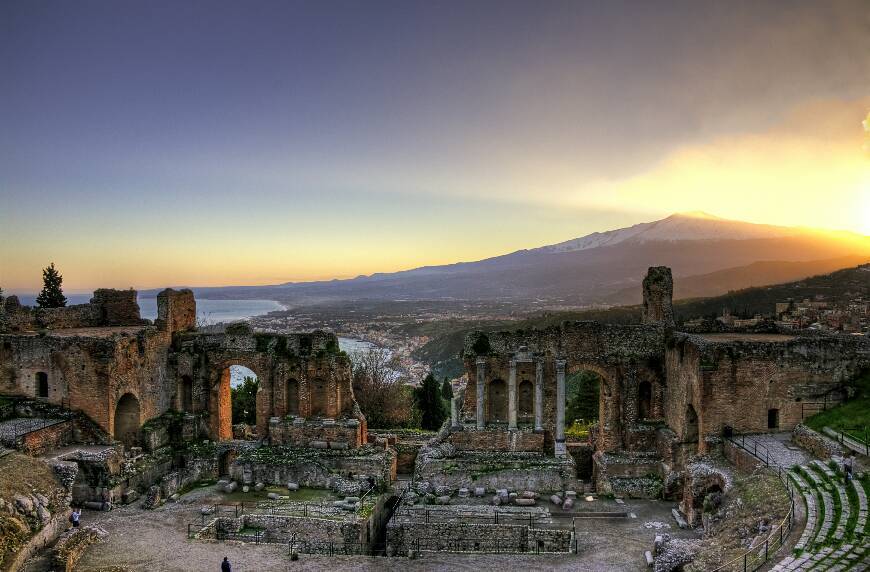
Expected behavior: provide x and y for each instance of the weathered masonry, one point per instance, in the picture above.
(102, 359)
(663, 395)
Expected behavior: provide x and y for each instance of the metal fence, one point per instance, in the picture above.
(758, 555)
(431, 515)
(488, 546)
(856, 438)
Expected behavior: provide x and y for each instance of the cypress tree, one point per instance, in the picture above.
(431, 404)
(52, 293)
(447, 390)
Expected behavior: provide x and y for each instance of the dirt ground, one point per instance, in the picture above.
(157, 541)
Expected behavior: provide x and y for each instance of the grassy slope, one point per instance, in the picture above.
(854, 413)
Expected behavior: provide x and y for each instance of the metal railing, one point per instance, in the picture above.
(856, 438)
(754, 448)
(491, 546)
(432, 515)
(758, 555)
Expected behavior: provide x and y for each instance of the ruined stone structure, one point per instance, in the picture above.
(102, 359)
(664, 395)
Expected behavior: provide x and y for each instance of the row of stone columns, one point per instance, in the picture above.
(560, 448)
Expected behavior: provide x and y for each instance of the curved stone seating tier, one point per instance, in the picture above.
(812, 512)
(833, 542)
(817, 483)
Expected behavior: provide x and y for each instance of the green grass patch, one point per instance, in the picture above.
(851, 414)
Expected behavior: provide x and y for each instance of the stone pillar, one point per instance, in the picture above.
(539, 396)
(560, 450)
(512, 397)
(454, 412)
(481, 387)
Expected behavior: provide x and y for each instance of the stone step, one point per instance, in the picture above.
(827, 520)
(845, 509)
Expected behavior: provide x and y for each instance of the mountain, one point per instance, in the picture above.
(584, 270)
(695, 225)
(752, 275)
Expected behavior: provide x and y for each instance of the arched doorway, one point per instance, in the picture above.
(525, 401)
(127, 420)
(644, 400)
(583, 401)
(233, 400)
(292, 402)
(498, 401)
(691, 432)
(318, 398)
(42, 384)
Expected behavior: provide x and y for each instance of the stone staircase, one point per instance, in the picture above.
(836, 536)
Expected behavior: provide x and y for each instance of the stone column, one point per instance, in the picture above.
(512, 397)
(560, 449)
(454, 412)
(481, 386)
(539, 396)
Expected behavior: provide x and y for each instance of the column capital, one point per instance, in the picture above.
(480, 360)
(513, 363)
(560, 364)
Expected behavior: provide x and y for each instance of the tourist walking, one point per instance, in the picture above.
(847, 466)
(75, 517)
(225, 565)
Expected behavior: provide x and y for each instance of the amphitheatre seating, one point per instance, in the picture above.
(836, 536)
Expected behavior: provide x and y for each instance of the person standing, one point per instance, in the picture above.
(225, 565)
(75, 517)
(847, 466)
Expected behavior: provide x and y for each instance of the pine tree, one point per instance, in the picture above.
(447, 390)
(52, 293)
(431, 404)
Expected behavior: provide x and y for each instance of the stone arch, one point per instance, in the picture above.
(41, 385)
(292, 397)
(318, 391)
(608, 434)
(127, 420)
(185, 394)
(525, 400)
(220, 400)
(497, 401)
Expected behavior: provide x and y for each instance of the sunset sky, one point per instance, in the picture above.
(183, 142)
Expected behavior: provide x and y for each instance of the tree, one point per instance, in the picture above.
(381, 394)
(244, 401)
(447, 390)
(582, 403)
(52, 293)
(433, 410)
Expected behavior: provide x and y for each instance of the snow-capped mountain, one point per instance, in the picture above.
(695, 225)
(593, 268)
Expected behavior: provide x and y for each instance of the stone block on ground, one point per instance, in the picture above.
(496, 500)
(479, 491)
(292, 486)
(444, 499)
(568, 504)
(556, 500)
(259, 487)
(273, 496)
(463, 493)
(231, 487)
(522, 501)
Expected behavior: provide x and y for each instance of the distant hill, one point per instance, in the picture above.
(585, 270)
(752, 275)
(843, 285)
